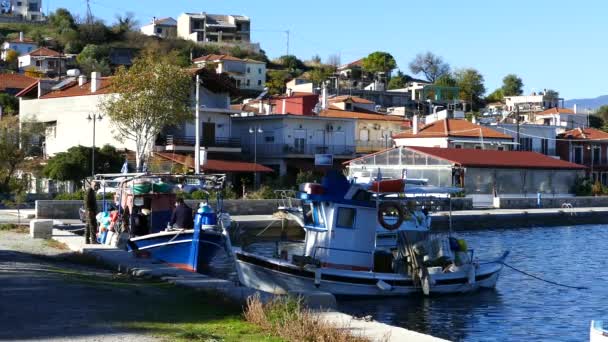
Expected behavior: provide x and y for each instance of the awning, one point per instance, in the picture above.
(215, 165)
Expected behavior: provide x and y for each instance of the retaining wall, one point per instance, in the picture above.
(552, 202)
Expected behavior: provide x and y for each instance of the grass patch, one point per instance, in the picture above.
(15, 228)
(56, 244)
(285, 317)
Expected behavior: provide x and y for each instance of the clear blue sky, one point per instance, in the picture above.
(549, 44)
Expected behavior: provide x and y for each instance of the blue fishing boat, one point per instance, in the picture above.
(145, 203)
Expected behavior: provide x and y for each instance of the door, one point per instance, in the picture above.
(299, 140)
(208, 133)
(319, 141)
(338, 143)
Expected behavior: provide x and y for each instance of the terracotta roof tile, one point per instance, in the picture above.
(453, 128)
(494, 158)
(556, 110)
(334, 113)
(73, 89)
(24, 41)
(44, 52)
(215, 165)
(584, 134)
(15, 81)
(213, 57)
(353, 99)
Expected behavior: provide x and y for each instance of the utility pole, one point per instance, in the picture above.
(89, 13)
(197, 129)
(517, 120)
(287, 34)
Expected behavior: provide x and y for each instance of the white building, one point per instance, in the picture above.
(288, 142)
(532, 137)
(162, 28)
(352, 103)
(21, 45)
(45, 60)
(300, 85)
(530, 103)
(562, 117)
(247, 73)
(216, 28)
(28, 10)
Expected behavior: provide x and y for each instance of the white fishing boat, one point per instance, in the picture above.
(341, 252)
(598, 333)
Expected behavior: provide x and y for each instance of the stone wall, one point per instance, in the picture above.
(552, 202)
(69, 209)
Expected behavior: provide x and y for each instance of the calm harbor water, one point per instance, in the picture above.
(520, 309)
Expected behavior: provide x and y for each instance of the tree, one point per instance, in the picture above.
(316, 59)
(319, 74)
(276, 81)
(495, 96)
(9, 104)
(124, 23)
(94, 58)
(398, 81)
(62, 20)
(333, 60)
(430, 65)
(16, 144)
(152, 94)
(512, 85)
(75, 164)
(470, 82)
(446, 80)
(292, 63)
(379, 61)
(551, 95)
(11, 56)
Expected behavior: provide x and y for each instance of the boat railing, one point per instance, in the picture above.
(287, 199)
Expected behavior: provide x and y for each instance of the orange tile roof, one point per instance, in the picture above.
(215, 165)
(44, 52)
(453, 128)
(354, 99)
(556, 110)
(24, 41)
(214, 57)
(490, 158)
(335, 113)
(584, 134)
(495, 158)
(73, 89)
(15, 81)
(357, 63)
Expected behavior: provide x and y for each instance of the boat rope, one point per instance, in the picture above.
(545, 280)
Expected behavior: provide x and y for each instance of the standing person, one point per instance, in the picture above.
(182, 215)
(90, 207)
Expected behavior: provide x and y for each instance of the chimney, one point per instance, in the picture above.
(415, 124)
(20, 36)
(95, 81)
(324, 96)
(82, 79)
(574, 109)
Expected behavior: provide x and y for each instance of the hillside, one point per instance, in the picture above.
(587, 103)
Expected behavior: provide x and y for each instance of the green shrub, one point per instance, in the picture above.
(582, 187)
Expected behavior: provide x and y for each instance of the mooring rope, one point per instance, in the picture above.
(545, 280)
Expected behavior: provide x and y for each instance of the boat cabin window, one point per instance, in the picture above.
(346, 218)
(313, 216)
(362, 195)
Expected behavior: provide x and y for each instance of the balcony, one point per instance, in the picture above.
(299, 151)
(186, 143)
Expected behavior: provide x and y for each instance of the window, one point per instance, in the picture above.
(596, 155)
(348, 106)
(159, 30)
(346, 218)
(577, 155)
(501, 148)
(248, 82)
(362, 195)
(477, 147)
(19, 4)
(33, 7)
(269, 139)
(248, 70)
(260, 71)
(544, 146)
(525, 144)
(259, 82)
(457, 146)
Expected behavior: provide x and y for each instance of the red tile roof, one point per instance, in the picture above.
(453, 128)
(357, 63)
(491, 158)
(499, 159)
(44, 52)
(215, 165)
(556, 110)
(353, 99)
(584, 134)
(27, 90)
(15, 81)
(335, 113)
(24, 41)
(73, 89)
(213, 57)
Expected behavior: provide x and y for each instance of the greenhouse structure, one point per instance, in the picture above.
(483, 174)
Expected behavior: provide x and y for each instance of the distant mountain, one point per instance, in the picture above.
(583, 104)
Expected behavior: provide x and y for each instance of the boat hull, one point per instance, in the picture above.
(177, 248)
(597, 332)
(280, 277)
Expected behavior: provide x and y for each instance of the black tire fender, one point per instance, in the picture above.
(386, 206)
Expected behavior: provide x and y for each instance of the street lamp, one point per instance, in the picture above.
(255, 132)
(94, 119)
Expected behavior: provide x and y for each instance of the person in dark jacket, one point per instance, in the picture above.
(90, 207)
(182, 215)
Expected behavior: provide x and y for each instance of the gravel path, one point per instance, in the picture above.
(41, 300)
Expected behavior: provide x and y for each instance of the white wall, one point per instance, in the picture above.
(535, 132)
(423, 142)
(256, 74)
(72, 127)
(21, 48)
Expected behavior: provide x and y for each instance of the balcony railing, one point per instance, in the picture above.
(280, 150)
(190, 141)
(373, 146)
